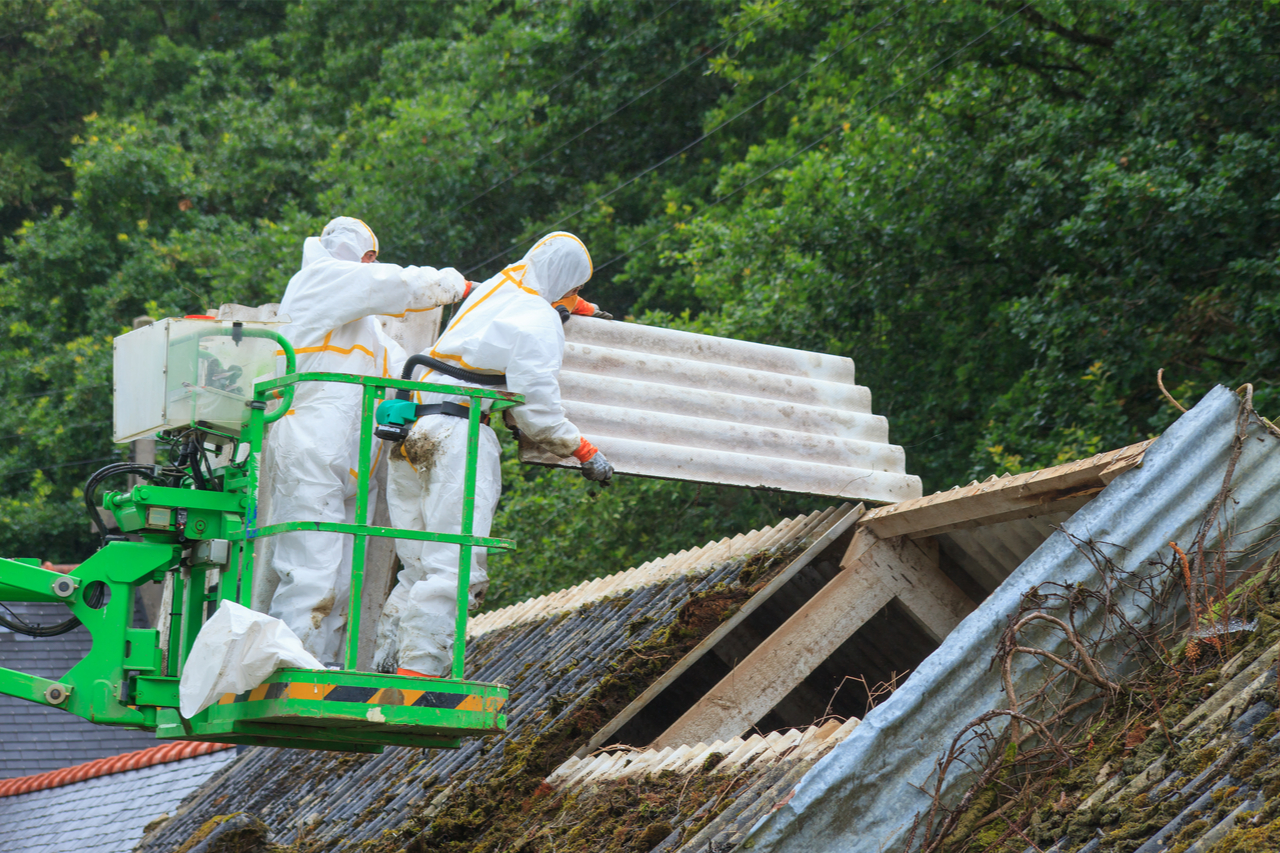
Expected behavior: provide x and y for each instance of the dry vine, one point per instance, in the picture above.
(1014, 753)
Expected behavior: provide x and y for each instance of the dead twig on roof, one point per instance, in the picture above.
(1165, 392)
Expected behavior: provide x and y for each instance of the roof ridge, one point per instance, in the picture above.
(163, 754)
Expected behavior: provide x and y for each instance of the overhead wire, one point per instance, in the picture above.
(59, 465)
(60, 391)
(605, 119)
(581, 68)
(655, 166)
(611, 47)
(810, 146)
(69, 426)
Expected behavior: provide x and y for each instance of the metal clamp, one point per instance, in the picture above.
(65, 587)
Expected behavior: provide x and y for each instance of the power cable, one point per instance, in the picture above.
(610, 116)
(72, 426)
(59, 465)
(572, 74)
(613, 46)
(60, 391)
(810, 146)
(682, 150)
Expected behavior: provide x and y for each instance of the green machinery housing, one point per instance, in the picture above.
(209, 388)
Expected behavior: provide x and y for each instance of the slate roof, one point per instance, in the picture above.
(104, 814)
(556, 662)
(35, 738)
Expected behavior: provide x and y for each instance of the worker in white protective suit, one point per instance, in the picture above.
(332, 303)
(506, 326)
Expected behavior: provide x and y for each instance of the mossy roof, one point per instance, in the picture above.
(568, 673)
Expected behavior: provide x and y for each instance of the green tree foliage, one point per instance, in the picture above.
(1010, 215)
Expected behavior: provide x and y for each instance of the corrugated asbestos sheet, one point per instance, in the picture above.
(552, 657)
(863, 795)
(654, 571)
(680, 406)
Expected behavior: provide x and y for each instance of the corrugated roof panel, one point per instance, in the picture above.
(863, 794)
(675, 405)
(790, 531)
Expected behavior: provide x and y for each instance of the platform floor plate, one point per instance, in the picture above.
(358, 708)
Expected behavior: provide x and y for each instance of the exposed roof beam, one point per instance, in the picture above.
(873, 573)
(1063, 488)
(848, 516)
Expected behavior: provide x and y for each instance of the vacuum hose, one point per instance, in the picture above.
(421, 360)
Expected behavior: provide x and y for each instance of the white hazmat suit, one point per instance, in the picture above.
(507, 326)
(313, 451)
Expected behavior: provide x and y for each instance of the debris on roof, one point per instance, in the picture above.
(573, 663)
(104, 806)
(1055, 626)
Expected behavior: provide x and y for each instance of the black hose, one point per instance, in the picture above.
(94, 599)
(420, 360)
(21, 626)
(147, 472)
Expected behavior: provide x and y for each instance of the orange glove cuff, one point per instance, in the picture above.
(584, 307)
(467, 290)
(585, 450)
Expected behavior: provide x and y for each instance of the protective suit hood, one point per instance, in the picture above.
(345, 238)
(556, 264)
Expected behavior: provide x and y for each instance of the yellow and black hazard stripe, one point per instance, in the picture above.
(367, 696)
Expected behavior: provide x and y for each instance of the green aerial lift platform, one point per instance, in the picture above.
(209, 388)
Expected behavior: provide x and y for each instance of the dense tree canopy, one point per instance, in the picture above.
(1010, 215)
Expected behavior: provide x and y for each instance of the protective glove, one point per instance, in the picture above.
(429, 287)
(597, 468)
(594, 466)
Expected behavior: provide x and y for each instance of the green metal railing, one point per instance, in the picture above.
(201, 544)
(374, 391)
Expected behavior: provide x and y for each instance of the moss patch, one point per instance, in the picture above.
(240, 832)
(514, 810)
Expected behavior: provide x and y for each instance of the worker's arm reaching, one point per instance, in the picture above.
(329, 292)
(534, 371)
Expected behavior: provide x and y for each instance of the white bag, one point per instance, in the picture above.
(235, 651)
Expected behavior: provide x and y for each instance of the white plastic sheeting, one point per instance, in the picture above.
(235, 651)
(864, 795)
(671, 404)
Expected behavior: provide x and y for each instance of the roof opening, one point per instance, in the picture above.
(890, 645)
(688, 682)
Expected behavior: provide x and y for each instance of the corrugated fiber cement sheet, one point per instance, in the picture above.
(679, 406)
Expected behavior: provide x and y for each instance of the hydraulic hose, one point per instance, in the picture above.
(19, 625)
(421, 360)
